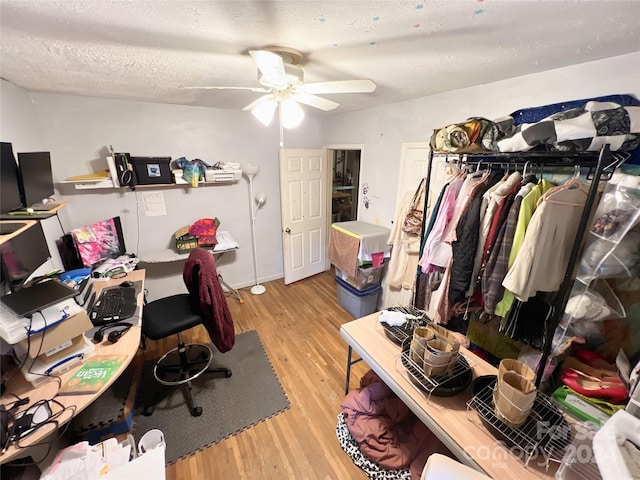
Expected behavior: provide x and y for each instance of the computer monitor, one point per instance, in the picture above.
(37, 179)
(22, 255)
(10, 196)
(99, 241)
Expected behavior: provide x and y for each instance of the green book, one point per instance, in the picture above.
(92, 375)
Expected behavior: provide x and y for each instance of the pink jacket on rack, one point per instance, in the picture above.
(213, 302)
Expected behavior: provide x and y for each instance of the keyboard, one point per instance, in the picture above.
(113, 305)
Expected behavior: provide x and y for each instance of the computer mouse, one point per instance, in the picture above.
(126, 283)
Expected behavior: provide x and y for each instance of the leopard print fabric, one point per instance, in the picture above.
(373, 470)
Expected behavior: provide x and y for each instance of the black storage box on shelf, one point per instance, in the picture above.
(152, 170)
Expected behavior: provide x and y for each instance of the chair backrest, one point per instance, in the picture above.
(198, 259)
(215, 313)
(194, 288)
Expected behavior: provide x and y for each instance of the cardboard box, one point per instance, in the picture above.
(57, 339)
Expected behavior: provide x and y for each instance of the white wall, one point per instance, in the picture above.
(19, 125)
(383, 130)
(77, 130)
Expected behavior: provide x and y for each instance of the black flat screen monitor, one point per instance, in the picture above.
(37, 179)
(10, 195)
(22, 255)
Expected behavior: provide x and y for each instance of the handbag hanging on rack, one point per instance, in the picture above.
(413, 221)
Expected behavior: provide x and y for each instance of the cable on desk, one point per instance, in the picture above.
(51, 420)
(33, 362)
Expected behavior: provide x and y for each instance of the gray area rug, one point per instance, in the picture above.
(230, 405)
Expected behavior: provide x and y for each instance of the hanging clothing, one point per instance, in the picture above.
(440, 299)
(498, 262)
(463, 249)
(544, 255)
(492, 198)
(441, 255)
(445, 212)
(401, 271)
(527, 208)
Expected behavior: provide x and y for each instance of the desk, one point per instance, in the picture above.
(22, 215)
(447, 417)
(225, 244)
(127, 346)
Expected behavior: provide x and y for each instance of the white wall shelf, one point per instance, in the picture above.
(220, 177)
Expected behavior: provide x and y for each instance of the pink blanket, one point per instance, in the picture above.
(386, 430)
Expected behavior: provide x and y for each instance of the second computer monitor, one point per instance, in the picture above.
(37, 179)
(10, 190)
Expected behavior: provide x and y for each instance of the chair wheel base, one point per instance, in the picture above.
(228, 374)
(148, 411)
(183, 364)
(196, 412)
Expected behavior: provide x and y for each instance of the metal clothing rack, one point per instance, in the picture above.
(599, 163)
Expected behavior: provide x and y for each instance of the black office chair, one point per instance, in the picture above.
(181, 365)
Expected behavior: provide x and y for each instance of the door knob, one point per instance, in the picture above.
(287, 230)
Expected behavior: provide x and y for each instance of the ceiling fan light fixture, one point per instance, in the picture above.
(292, 113)
(264, 111)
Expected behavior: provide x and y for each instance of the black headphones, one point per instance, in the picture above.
(114, 336)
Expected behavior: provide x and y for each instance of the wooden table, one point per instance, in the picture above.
(23, 216)
(458, 427)
(127, 346)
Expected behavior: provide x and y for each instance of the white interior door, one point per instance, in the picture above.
(413, 167)
(303, 186)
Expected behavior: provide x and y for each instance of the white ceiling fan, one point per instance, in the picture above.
(283, 85)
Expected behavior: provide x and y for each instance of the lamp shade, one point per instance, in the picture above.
(251, 169)
(292, 113)
(264, 111)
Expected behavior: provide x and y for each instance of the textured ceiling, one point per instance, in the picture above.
(147, 50)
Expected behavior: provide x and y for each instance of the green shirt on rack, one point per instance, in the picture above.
(527, 208)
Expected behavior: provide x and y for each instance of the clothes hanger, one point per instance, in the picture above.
(574, 183)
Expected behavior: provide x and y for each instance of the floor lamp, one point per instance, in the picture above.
(250, 171)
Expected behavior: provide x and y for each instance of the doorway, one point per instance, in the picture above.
(345, 183)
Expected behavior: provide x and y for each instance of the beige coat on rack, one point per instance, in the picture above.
(401, 270)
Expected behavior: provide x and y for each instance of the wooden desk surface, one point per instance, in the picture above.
(457, 427)
(37, 215)
(127, 346)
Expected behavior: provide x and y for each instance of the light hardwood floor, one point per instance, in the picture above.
(299, 326)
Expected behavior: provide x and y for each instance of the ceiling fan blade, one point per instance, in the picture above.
(314, 101)
(258, 101)
(271, 68)
(341, 86)
(253, 89)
